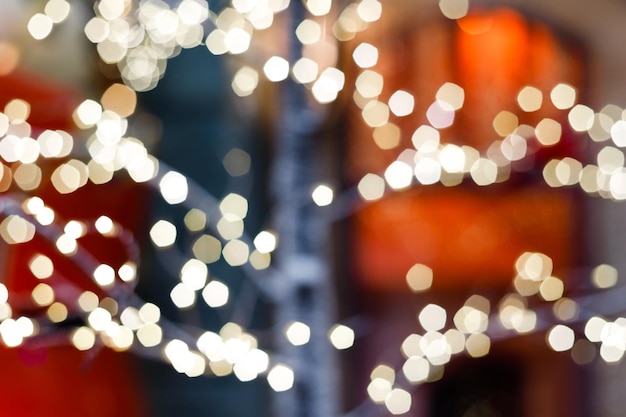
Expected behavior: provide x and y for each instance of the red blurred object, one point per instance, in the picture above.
(467, 234)
(52, 104)
(60, 380)
(468, 238)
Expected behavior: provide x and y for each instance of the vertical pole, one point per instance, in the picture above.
(306, 290)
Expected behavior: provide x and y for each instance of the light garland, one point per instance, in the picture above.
(139, 37)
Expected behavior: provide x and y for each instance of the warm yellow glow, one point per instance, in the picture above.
(104, 275)
(484, 172)
(173, 187)
(327, 87)
(104, 225)
(452, 94)
(216, 294)
(548, 132)
(88, 113)
(452, 158)
(305, 70)
(97, 29)
(192, 12)
(70, 176)
(604, 276)
(365, 55)
(57, 312)
(111, 9)
(534, 266)
(399, 175)
(75, 229)
(265, 241)
(436, 348)
(280, 377)
(561, 338)
(341, 336)
(425, 139)
(298, 333)
(514, 315)
(163, 234)
(369, 10)
(440, 114)
(27, 176)
(478, 345)
(371, 187)
(432, 317)
(309, 31)
(41, 266)
(471, 320)
(127, 272)
(348, 23)
(230, 227)
(505, 123)
(195, 220)
(17, 110)
(9, 60)
(207, 248)
(67, 245)
(182, 296)
(216, 42)
(276, 69)
(456, 340)
(618, 133)
(379, 388)
(40, 26)
(119, 99)
(563, 96)
(236, 252)
(4, 294)
(261, 17)
(83, 338)
(530, 99)
(387, 136)
(514, 147)
(245, 81)
(566, 309)
(322, 195)
(43, 295)
(150, 334)
(150, 313)
(454, 9)
(55, 144)
(610, 160)
(369, 84)
(221, 367)
(194, 274)
(15, 229)
(57, 10)
(416, 369)
(99, 319)
(318, 7)
(398, 401)
(551, 289)
(260, 261)
(178, 354)
(401, 103)
(130, 318)
(581, 118)
(594, 328)
(234, 205)
(88, 301)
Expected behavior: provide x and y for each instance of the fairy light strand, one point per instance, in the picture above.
(140, 37)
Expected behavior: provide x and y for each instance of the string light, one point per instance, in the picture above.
(139, 38)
